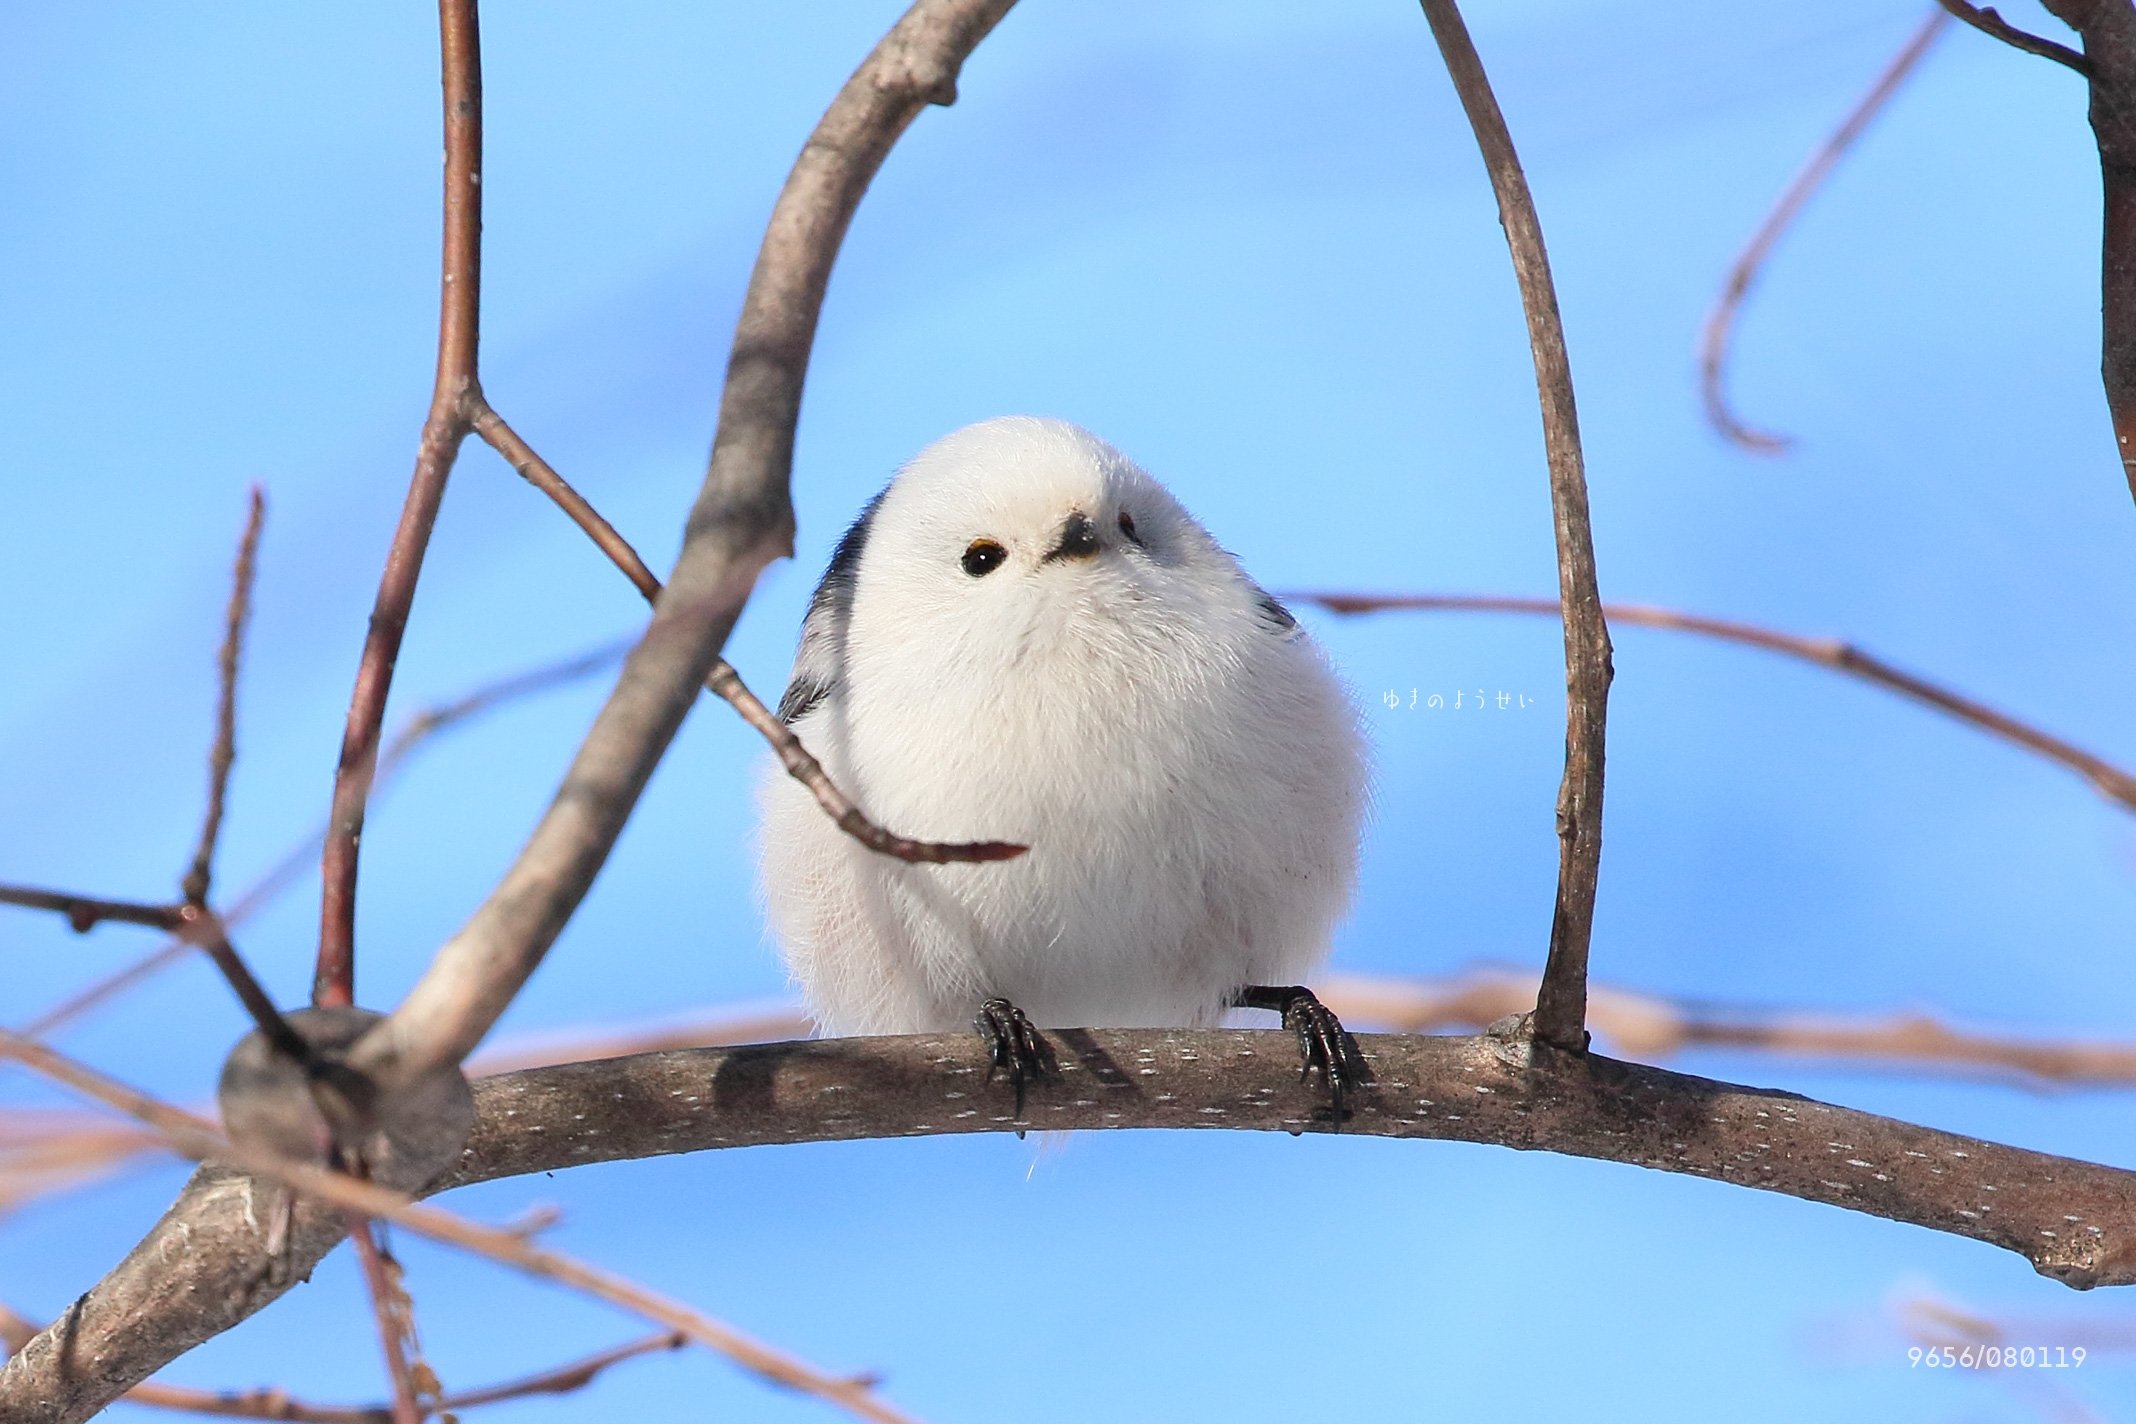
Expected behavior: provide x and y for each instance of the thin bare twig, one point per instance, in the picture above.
(388, 1313)
(276, 1404)
(2110, 781)
(85, 912)
(566, 1378)
(459, 335)
(724, 682)
(1985, 20)
(1560, 1007)
(1720, 321)
(224, 750)
(1648, 1027)
(742, 520)
(413, 733)
(47, 1152)
(203, 928)
(197, 1138)
(194, 925)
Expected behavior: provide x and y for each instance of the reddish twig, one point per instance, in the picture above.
(276, 1404)
(418, 729)
(204, 929)
(1561, 1005)
(566, 1378)
(724, 682)
(85, 912)
(194, 925)
(2108, 780)
(1985, 20)
(1647, 1027)
(197, 1138)
(459, 334)
(388, 1308)
(1720, 321)
(742, 520)
(2074, 1221)
(224, 750)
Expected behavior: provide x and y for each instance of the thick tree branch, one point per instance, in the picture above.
(1561, 1006)
(459, 336)
(2074, 1221)
(42, 1153)
(1713, 347)
(85, 1384)
(2108, 28)
(742, 520)
(2107, 779)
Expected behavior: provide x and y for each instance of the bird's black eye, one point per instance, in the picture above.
(1127, 526)
(983, 557)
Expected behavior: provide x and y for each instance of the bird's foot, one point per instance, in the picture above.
(1323, 1044)
(1014, 1047)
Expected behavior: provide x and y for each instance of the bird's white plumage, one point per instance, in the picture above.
(1185, 768)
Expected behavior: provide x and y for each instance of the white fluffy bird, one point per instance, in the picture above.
(1026, 638)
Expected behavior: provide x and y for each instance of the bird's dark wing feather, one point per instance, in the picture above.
(1273, 614)
(819, 663)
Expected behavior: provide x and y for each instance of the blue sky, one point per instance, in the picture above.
(1251, 245)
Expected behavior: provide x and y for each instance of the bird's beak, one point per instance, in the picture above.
(1079, 539)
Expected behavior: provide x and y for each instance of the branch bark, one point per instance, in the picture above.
(1561, 1006)
(742, 520)
(2073, 1221)
(2109, 31)
(2108, 64)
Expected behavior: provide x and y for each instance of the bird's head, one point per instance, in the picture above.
(1026, 530)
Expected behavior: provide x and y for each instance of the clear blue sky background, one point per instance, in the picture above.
(1252, 245)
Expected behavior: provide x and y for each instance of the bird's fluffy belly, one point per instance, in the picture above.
(1147, 897)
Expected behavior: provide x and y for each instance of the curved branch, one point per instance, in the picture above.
(2108, 29)
(2074, 1221)
(742, 520)
(1720, 321)
(2106, 778)
(1561, 1005)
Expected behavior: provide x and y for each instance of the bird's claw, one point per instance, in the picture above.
(1323, 1043)
(1014, 1046)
